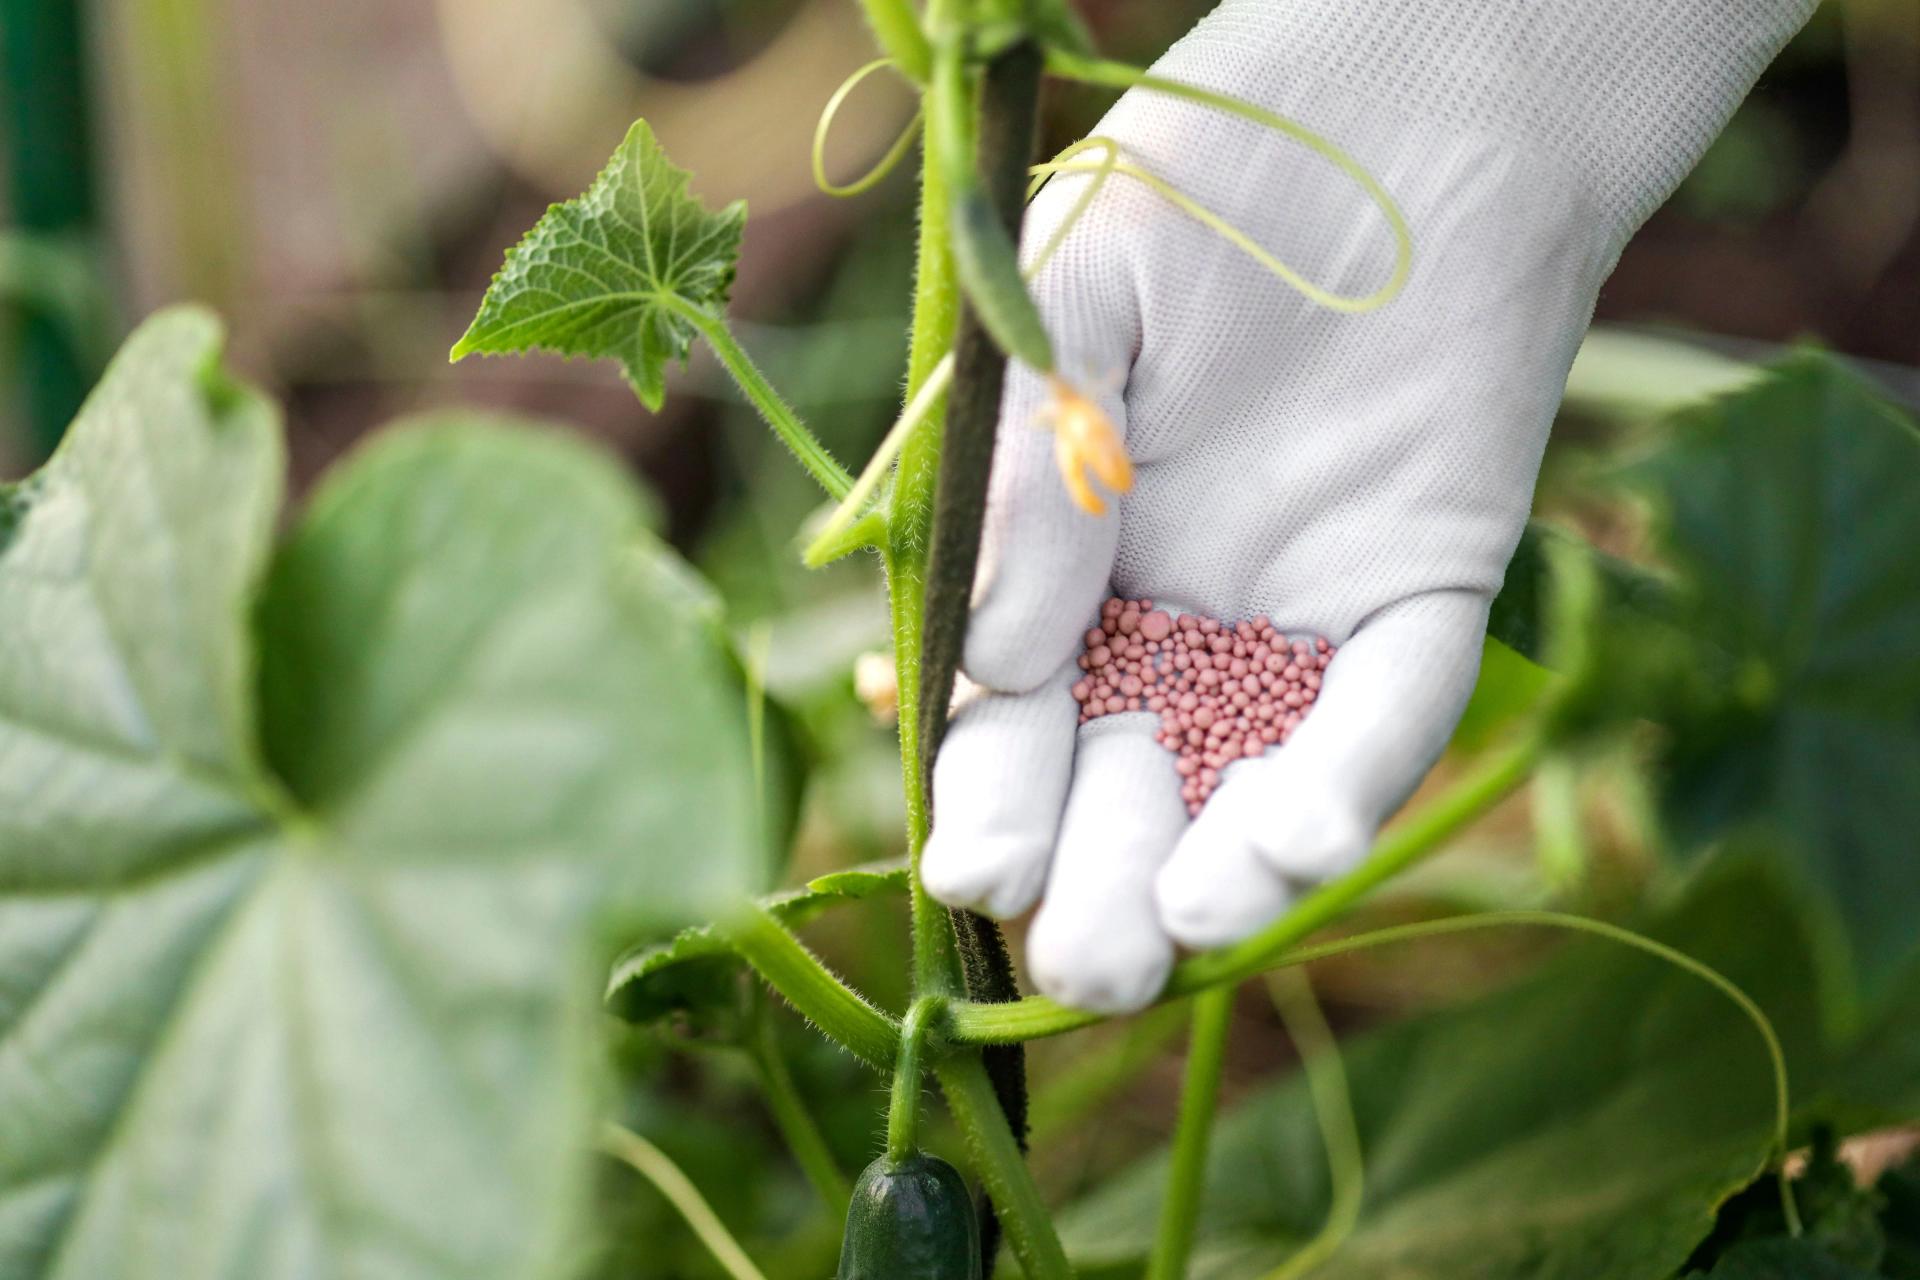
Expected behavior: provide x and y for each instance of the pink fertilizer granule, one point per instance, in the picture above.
(1223, 693)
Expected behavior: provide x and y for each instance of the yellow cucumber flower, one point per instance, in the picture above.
(1084, 440)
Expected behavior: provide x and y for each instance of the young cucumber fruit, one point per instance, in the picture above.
(910, 1219)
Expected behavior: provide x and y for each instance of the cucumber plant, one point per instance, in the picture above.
(314, 844)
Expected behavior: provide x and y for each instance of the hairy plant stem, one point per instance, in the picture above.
(798, 975)
(996, 1157)
(903, 1102)
(909, 519)
(797, 1125)
(1400, 848)
(1009, 96)
(1193, 1130)
(937, 511)
(753, 384)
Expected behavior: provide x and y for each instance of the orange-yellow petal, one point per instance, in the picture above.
(1073, 474)
(1085, 440)
(1111, 464)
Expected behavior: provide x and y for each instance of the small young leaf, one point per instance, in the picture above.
(621, 271)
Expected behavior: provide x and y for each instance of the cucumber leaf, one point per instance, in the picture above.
(616, 271)
(1781, 1259)
(1839, 1220)
(1520, 617)
(305, 850)
(1584, 1124)
(1792, 512)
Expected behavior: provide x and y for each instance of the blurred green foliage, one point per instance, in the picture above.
(310, 845)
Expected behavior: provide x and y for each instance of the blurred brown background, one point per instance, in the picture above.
(340, 179)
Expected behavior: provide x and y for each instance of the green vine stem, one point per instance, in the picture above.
(903, 1102)
(1417, 838)
(1193, 1132)
(909, 521)
(796, 1123)
(1009, 97)
(1001, 1166)
(1003, 135)
(868, 533)
(754, 386)
(653, 1164)
(840, 1012)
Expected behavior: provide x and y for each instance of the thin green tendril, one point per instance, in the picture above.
(654, 1165)
(1219, 225)
(1332, 1111)
(1101, 172)
(1093, 71)
(887, 163)
(1776, 1057)
(1096, 71)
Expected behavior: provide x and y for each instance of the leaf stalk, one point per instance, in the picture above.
(1192, 1134)
(753, 384)
(840, 1012)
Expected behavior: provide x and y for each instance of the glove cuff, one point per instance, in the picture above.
(1624, 95)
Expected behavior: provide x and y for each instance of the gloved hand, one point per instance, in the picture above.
(1359, 477)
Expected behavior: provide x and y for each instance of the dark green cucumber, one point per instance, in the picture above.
(910, 1219)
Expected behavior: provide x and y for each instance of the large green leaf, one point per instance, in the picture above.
(614, 271)
(1584, 1125)
(1838, 1219)
(1782, 1259)
(323, 1006)
(1793, 511)
(1520, 616)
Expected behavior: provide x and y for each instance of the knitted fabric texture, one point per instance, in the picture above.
(1362, 477)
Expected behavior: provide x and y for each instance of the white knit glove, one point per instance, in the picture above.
(1359, 477)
